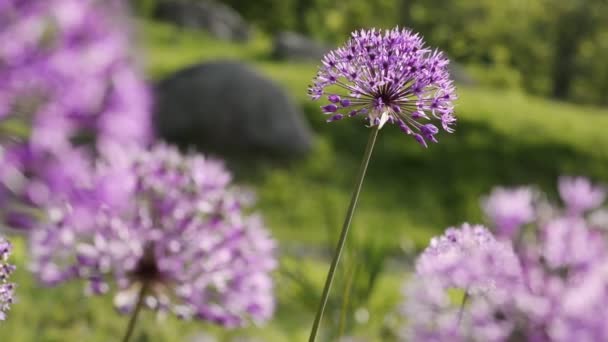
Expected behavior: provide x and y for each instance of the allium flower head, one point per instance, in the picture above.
(581, 311)
(6, 288)
(509, 209)
(469, 258)
(67, 70)
(561, 293)
(68, 82)
(388, 76)
(580, 195)
(430, 313)
(172, 223)
(571, 243)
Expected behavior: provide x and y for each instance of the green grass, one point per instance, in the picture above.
(410, 194)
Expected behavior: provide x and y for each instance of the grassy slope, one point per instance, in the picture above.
(502, 138)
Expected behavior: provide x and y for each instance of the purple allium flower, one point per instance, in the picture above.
(469, 258)
(433, 315)
(581, 309)
(570, 243)
(172, 223)
(560, 295)
(25, 196)
(580, 195)
(390, 77)
(430, 312)
(6, 288)
(67, 70)
(68, 81)
(509, 209)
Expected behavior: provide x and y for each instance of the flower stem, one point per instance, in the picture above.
(349, 216)
(464, 302)
(138, 306)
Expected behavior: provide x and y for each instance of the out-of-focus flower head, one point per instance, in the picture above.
(580, 195)
(581, 309)
(571, 243)
(509, 209)
(562, 293)
(68, 81)
(6, 288)
(172, 223)
(388, 76)
(433, 314)
(469, 258)
(430, 313)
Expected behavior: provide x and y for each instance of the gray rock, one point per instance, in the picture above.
(227, 108)
(294, 46)
(218, 19)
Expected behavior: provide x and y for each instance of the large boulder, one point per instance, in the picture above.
(294, 46)
(227, 108)
(220, 20)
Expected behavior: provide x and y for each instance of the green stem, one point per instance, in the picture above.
(344, 233)
(464, 302)
(138, 306)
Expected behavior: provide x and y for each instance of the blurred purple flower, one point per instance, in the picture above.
(388, 77)
(431, 315)
(67, 70)
(562, 291)
(582, 312)
(6, 288)
(509, 209)
(571, 243)
(469, 258)
(172, 223)
(69, 87)
(580, 195)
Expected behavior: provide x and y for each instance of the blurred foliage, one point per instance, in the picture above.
(556, 48)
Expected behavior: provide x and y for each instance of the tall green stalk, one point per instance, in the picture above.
(349, 216)
(140, 303)
(462, 304)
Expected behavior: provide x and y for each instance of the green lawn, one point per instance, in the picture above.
(410, 194)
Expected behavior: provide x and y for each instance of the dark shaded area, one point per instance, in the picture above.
(297, 47)
(576, 24)
(218, 19)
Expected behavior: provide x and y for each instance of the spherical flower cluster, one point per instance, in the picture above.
(172, 225)
(6, 288)
(430, 313)
(582, 308)
(580, 195)
(509, 209)
(66, 69)
(390, 77)
(68, 82)
(469, 258)
(562, 293)
(434, 315)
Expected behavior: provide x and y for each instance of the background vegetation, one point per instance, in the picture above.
(552, 48)
(509, 132)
